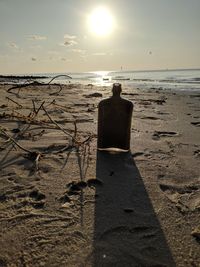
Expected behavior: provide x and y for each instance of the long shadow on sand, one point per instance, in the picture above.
(126, 229)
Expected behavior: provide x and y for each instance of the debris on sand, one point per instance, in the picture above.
(93, 95)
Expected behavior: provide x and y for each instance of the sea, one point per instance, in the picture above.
(176, 79)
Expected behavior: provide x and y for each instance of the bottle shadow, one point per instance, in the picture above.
(126, 229)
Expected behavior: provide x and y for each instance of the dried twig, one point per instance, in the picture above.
(60, 127)
(19, 105)
(88, 139)
(36, 113)
(51, 103)
(75, 130)
(15, 142)
(37, 161)
(32, 155)
(34, 109)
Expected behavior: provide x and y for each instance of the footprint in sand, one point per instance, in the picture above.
(197, 153)
(75, 187)
(65, 199)
(196, 123)
(78, 186)
(150, 118)
(158, 134)
(132, 245)
(184, 192)
(140, 231)
(33, 198)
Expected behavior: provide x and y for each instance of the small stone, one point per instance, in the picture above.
(66, 205)
(65, 199)
(94, 95)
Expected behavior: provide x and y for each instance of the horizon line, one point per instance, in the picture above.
(108, 71)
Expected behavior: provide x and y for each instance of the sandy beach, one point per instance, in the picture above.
(62, 203)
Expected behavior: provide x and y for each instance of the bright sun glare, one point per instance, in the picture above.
(100, 21)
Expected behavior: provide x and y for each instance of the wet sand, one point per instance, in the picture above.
(64, 204)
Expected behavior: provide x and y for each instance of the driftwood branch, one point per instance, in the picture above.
(36, 83)
(19, 86)
(56, 93)
(62, 75)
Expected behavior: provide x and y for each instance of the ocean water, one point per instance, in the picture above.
(162, 79)
(165, 79)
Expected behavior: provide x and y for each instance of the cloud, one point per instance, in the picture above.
(4, 56)
(69, 43)
(84, 57)
(53, 52)
(69, 40)
(33, 59)
(35, 47)
(79, 51)
(13, 45)
(36, 37)
(67, 36)
(65, 59)
(99, 54)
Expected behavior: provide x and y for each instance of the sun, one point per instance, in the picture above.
(101, 22)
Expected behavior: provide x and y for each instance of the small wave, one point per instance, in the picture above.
(197, 79)
(120, 78)
(143, 80)
(172, 81)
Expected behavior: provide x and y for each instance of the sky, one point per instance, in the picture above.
(53, 36)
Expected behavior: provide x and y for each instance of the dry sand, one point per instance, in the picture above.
(67, 205)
